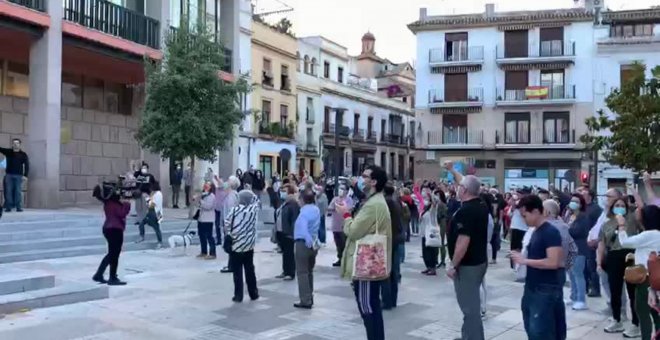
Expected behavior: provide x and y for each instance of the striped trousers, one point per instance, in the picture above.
(367, 295)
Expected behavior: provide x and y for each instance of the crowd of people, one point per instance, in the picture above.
(553, 235)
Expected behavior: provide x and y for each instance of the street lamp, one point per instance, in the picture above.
(338, 124)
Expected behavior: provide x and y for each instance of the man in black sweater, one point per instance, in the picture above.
(18, 167)
(390, 287)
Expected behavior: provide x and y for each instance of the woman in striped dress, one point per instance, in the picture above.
(241, 225)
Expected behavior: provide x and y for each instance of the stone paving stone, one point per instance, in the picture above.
(338, 290)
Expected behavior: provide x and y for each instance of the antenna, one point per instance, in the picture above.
(269, 7)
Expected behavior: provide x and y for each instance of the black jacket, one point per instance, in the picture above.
(290, 212)
(398, 237)
(144, 182)
(17, 162)
(176, 177)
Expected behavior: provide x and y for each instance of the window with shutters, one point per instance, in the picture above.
(516, 128)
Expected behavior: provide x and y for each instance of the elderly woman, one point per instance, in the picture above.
(230, 201)
(241, 228)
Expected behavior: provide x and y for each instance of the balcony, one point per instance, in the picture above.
(391, 138)
(372, 137)
(105, 16)
(557, 52)
(37, 5)
(276, 130)
(344, 131)
(358, 135)
(226, 52)
(442, 102)
(311, 148)
(472, 56)
(456, 137)
(558, 95)
(535, 139)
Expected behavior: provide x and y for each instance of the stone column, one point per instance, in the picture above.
(44, 114)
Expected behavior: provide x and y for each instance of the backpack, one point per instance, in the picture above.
(653, 266)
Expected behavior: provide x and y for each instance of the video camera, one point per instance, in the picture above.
(123, 187)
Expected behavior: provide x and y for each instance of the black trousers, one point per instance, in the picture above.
(340, 242)
(240, 262)
(615, 266)
(218, 230)
(186, 191)
(430, 255)
(115, 239)
(516, 241)
(288, 256)
(176, 190)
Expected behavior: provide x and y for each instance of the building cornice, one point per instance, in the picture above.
(380, 104)
(307, 89)
(534, 18)
(334, 54)
(649, 15)
(275, 49)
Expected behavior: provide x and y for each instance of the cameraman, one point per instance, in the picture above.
(115, 211)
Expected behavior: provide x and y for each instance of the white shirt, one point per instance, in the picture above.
(644, 243)
(157, 198)
(517, 221)
(595, 231)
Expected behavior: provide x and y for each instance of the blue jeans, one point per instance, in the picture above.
(578, 284)
(402, 253)
(544, 314)
(390, 287)
(13, 192)
(322, 230)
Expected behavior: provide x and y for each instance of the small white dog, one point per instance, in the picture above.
(184, 240)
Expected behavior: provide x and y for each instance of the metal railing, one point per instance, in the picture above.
(372, 136)
(358, 134)
(537, 92)
(535, 136)
(344, 131)
(437, 96)
(226, 52)
(276, 130)
(310, 147)
(456, 135)
(472, 53)
(39, 5)
(115, 20)
(544, 49)
(394, 138)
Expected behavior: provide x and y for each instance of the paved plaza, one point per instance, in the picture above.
(176, 296)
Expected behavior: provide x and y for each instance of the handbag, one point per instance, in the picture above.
(635, 274)
(432, 236)
(229, 241)
(653, 265)
(370, 258)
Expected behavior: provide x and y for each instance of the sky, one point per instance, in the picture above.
(345, 21)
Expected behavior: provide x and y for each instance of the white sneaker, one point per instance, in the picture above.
(568, 302)
(614, 327)
(632, 332)
(580, 306)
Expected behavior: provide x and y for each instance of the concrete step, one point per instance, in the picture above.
(129, 245)
(64, 294)
(18, 281)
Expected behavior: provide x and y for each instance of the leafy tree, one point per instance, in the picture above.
(284, 26)
(189, 111)
(632, 138)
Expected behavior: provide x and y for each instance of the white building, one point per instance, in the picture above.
(505, 94)
(310, 108)
(372, 129)
(625, 37)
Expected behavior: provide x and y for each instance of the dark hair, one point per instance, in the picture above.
(145, 164)
(389, 190)
(592, 194)
(583, 202)
(487, 198)
(610, 213)
(531, 203)
(543, 191)
(651, 217)
(289, 189)
(212, 188)
(308, 196)
(106, 193)
(380, 176)
(452, 193)
(443, 197)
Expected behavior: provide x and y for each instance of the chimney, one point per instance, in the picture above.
(422, 14)
(490, 10)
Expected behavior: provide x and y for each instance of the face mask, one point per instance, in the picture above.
(342, 192)
(360, 183)
(427, 202)
(621, 211)
(144, 171)
(574, 205)
(283, 195)
(225, 186)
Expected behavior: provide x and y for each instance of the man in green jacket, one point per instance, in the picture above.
(373, 217)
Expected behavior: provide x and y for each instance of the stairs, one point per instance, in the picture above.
(37, 235)
(24, 290)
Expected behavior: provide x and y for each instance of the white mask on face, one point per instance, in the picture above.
(144, 171)
(342, 192)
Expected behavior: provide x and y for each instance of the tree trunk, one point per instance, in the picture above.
(193, 189)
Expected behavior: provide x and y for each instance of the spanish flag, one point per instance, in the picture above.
(536, 92)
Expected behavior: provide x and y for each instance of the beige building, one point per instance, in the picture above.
(272, 145)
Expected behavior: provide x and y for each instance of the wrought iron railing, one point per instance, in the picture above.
(113, 19)
(39, 5)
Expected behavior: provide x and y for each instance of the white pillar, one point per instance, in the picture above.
(44, 113)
